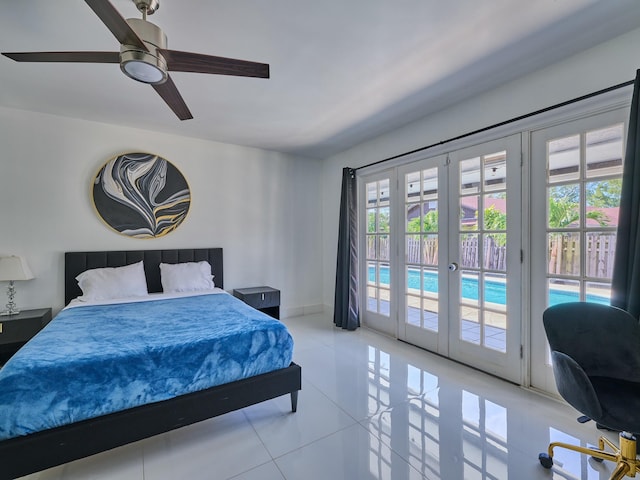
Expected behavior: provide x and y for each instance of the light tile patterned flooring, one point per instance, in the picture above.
(370, 408)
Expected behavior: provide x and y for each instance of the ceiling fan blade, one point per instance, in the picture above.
(73, 57)
(116, 23)
(170, 94)
(198, 63)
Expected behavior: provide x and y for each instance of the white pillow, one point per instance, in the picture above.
(113, 282)
(186, 277)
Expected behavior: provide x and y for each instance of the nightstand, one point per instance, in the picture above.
(265, 299)
(16, 330)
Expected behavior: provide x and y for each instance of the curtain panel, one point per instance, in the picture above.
(346, 312)
(625, 288)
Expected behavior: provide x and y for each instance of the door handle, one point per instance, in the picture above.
(453, 266)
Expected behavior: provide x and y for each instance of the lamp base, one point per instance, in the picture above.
(11, 306)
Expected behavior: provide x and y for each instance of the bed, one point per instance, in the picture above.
(34, 451)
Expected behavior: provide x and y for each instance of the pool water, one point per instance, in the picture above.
(495, 292)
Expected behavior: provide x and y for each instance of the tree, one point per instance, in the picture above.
(604, 193)
(564, 213)
(496, 220)
(382, 224)
(429, 222)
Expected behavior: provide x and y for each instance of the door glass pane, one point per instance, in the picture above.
(385, 301)
(372, 299)
(598, 292)
(383, 245)
(469, 288)
(563, 159)
(414, 278)
(604, 151)
(413, 311)
(430, 250)
(470, 176)
(564, 253)
(564, 206)
(495, 331)
(469, 212)
(430, 282)
(495, 251)
(372, 273)
(430, 313)
(412, 190)
(469, 252)
(495, 171)
(600, 253)
(412, 249)
(495, 212)
(371, 246)
(603, 202)
(412, 217)
(383, 219)
(430, 184)
(495, 291)
(430, 216)
(470, 324)
(383, 188)
(562, 291)
(371, 220)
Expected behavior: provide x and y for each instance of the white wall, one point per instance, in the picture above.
(607, 64)
(262, 207)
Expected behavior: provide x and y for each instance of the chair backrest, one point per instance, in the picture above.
(603, 340)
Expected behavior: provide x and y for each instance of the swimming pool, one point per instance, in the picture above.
(495, 292)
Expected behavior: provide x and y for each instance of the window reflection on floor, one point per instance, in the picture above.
(448, 431)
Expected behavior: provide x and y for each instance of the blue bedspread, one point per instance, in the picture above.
(94, 360)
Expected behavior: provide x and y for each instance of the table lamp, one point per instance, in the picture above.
(13, 268)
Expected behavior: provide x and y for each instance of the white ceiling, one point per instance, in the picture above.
(342, 71)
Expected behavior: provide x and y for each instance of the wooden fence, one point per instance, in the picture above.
(564, 253)
(494, 254)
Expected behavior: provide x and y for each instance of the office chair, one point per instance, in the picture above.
(595, 351)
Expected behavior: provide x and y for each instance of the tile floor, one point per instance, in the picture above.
(371, 408)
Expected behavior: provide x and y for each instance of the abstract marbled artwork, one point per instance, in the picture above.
(141, 195)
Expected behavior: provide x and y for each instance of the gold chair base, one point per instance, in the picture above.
(625, 456)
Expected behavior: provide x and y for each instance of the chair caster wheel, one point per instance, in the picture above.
(545, 460)
(599, 460)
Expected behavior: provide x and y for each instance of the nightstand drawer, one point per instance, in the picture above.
(266, 299)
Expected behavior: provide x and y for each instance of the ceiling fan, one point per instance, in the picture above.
(144, 55)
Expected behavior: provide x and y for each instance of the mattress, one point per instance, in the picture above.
(95, 359)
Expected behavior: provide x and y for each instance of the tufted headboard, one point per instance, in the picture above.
(77, 262)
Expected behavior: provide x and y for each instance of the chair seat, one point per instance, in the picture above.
(620, 401)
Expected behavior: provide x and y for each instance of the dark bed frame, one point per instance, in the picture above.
(31, 453)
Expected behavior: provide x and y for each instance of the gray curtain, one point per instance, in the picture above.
(626, 268)
(346, 313)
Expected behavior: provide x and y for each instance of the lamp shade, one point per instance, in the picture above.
(14, 268)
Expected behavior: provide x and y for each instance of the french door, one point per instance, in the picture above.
(576, 176)
(442, 254)
(485, 257)
(378, 269)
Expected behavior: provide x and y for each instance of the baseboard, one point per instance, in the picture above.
(286, 312)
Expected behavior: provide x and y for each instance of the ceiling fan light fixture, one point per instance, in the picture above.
(143, 67)
(146, 66)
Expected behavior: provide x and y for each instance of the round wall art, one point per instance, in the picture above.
(141, 195)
